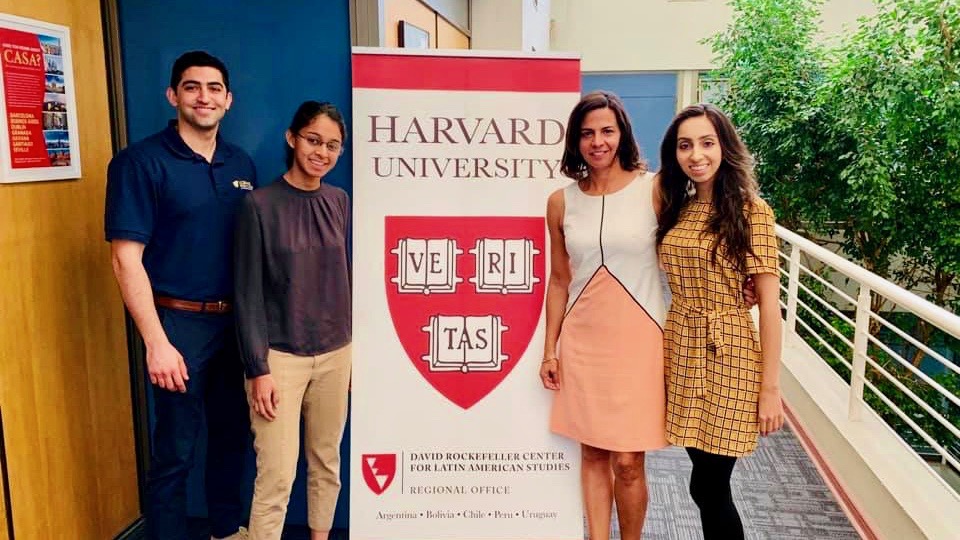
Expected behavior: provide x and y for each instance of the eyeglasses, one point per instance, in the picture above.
(334, 147)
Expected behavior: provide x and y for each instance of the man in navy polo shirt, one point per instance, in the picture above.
(170, 208)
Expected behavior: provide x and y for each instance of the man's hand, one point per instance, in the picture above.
(264, 396)
(164, 362)
(166, 367)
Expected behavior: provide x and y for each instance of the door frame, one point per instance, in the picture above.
(135, 348)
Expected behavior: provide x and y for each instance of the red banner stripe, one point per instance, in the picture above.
(404, 72)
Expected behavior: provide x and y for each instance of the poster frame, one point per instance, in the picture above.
(9, 174)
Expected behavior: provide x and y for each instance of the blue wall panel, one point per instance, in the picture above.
(650, 99)
(278, 54)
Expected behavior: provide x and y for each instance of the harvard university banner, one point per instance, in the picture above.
(454, 157)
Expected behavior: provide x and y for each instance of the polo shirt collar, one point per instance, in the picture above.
(173, 141)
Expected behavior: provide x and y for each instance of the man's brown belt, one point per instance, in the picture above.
(190, 305)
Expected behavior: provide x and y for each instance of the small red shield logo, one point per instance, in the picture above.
(465, 295)
(378, 471)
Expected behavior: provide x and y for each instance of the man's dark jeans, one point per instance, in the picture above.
(208, 345)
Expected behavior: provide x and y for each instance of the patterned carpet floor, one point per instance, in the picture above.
(778, 491)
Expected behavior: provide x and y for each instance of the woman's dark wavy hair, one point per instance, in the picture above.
(306, 112)
(734, 187)
(572, 164)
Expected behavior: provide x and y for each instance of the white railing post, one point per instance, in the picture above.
(793, 286)
(859, 364)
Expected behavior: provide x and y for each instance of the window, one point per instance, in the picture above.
(712, 90)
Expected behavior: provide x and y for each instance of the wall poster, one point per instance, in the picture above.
(38, 111)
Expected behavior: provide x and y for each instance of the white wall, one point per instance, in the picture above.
(657, 35)
(839, 16)
(456, 11)
(536, 25)
(510, 25)
(496, 25)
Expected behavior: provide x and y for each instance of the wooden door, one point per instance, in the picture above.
(64, 375)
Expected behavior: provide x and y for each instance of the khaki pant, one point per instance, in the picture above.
(316, 388)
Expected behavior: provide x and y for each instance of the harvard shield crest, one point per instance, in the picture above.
(378, 471)
(465, 295)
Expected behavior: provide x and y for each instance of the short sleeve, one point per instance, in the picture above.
(131, 201)
(763, 240)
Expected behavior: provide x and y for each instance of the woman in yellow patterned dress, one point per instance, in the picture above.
(722, 378)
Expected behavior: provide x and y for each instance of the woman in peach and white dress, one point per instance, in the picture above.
(605, 312)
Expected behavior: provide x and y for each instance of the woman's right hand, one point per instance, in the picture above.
(265, 398)
(550, 373)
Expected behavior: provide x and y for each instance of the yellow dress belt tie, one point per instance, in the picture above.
(698, 328)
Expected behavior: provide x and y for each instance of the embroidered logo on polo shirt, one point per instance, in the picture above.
(240, 183)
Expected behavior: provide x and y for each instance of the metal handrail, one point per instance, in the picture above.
(869, 284)
(943, 319)
(916, 343)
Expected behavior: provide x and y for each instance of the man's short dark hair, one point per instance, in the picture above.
(191, 59)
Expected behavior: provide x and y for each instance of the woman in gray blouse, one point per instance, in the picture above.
(293, 318)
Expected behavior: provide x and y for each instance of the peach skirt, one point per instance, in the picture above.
(611, 371)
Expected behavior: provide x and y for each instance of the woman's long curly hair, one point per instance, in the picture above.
(734, 187)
